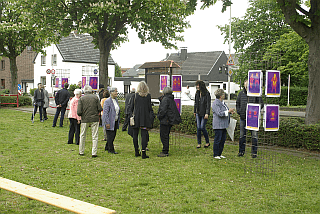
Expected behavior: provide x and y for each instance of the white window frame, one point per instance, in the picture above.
(54, 59)
(43, 60)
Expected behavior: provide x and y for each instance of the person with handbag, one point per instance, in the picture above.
(38, 101)
(110, 119)
(141, 117)
(168, 115)
(220, 122)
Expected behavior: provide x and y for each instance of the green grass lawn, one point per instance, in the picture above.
(188, 181)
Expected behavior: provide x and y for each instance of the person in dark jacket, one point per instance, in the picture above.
(142, 110)
(38, 100)
(126, 111)
(241, 106)
(168, 115)
(89, 108)
(201, 111)
(61, 99)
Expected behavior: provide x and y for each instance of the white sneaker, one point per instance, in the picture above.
(217, 157)
(222, 156)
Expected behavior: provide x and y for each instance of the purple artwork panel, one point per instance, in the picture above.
(93, 82)
(176, 83)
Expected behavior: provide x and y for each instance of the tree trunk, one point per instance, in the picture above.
(313, 102)
(103, 64)
(14, 75)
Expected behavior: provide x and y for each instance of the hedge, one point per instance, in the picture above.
(292, 133)
(23, 101)
(298, 97)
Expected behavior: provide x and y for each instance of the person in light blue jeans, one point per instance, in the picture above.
(202, 111)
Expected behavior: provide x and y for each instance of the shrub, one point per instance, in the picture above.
(292, 132)
(32, 91)
(5, 91)
(23, 101)
(298, 97)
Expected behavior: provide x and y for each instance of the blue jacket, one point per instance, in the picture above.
(220, 120)
(109, 114)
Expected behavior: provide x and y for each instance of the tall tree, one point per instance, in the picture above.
(24, 24)
(306, 22)
(294, 58)
(262, 24)
(107, 22)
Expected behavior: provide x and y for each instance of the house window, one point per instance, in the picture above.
(224, 86)
(43, 60)
(54, 59)
(43, 80)
(3, 65)
(220, 70)
(29, 48)
(3, 83)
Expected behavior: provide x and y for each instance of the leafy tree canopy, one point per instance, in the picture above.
(294, 58)
(261, 26)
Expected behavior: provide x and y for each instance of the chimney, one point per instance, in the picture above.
(184, 53)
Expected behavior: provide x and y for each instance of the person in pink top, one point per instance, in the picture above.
(74, 118)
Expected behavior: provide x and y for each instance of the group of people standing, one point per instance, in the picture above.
(88, 111)
(221, 118)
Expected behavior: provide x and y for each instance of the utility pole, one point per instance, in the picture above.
(229, 57)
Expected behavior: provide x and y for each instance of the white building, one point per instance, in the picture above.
(73, 58)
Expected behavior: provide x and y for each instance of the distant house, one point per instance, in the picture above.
(135, 72)
(25, 70)
(207, 66)
(73, 58)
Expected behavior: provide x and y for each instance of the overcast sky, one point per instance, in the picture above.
(201, 37)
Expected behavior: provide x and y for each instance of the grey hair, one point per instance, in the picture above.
(219, 92)
(87, 89)
(112, 89)
(77, 91)
(167, 90)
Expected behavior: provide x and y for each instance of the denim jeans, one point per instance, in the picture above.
(201, 126)
(63, 111)
(35, 111)
(220, 136)
(243, 138)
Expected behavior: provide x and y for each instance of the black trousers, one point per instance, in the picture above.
(164, 136)
(125, 123)
(111, 135)
(45, 117)
(74, 131)
(144, 139)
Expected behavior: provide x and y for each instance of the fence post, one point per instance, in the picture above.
(17, 100)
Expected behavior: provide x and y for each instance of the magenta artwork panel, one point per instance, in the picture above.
(178, 104)
(164, 82)
(254, 83)
(253, 117)
(57, 83)
(273, 84)
(176, 83)
(271, 118)
(83, 82)
(63, 81)
(93, 82)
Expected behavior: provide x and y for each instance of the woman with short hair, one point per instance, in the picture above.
(105, 95)
(110, 119)
(220, 122)
(74, 118)
(140, 106)
(168, 115)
